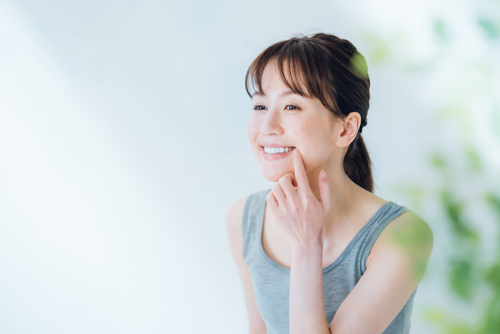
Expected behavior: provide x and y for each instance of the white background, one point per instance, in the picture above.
(123, 143)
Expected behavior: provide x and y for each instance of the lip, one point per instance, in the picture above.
(274, 145)
(276, 156)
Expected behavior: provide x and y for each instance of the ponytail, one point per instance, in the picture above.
(357, 164)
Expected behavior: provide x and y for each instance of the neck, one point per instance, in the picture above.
(343, 192)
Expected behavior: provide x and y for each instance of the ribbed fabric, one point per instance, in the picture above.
(271, 281)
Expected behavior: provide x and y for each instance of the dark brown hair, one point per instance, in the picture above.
(333, 71)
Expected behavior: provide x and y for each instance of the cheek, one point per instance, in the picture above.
(303, 133)
(314, 139)
(252, 129)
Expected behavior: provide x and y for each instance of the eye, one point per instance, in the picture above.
(258, 107)
(292, 107)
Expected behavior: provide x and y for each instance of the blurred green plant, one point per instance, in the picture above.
(358, 65)
(490, 27)
(442, 31)
(472, 270)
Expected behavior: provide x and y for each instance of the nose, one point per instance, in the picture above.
(272, 123)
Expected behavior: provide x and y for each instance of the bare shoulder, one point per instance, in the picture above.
(234, 225)
(397, 265)
(408, 235)
(234, 215)
(234, 219)
(410, 230)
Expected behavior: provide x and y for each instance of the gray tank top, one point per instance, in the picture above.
(271, 281)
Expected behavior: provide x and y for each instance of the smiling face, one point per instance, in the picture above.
(284, 119)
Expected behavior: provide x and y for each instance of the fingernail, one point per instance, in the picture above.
(296, 153)
(323, 174)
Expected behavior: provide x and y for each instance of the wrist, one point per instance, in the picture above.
(311, 247)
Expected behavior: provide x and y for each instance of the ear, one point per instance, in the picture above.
(350, 126)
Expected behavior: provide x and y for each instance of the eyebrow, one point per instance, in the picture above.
(287, 92)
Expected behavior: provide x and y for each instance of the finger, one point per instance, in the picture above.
(300, 172)
(279, 194)
(294, 180)
(324, 190)
(271, 200)
(286, 182)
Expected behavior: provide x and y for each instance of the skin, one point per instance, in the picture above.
(321, 140)
(318, 216)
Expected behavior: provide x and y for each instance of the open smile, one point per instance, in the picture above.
(274, 153)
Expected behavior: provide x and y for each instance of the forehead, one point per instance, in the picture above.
(272, 81)
(271, 76)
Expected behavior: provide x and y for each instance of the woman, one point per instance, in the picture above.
(319, 252)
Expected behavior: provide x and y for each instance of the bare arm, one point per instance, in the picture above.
(396, 266)
(307, 310)
(234, 220)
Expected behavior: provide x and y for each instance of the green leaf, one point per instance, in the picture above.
(491, 28)
(494, 201)
(493, 275)
(458, 329)
(473, 159)
(441, 31)
(378, 48)
(491, 325)
(434, 315)
(358, 65)
(461, 278)
(438, 161)
(453, 209)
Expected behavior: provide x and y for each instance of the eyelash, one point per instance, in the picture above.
(288, 105)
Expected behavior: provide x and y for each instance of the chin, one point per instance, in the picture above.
(273, 174)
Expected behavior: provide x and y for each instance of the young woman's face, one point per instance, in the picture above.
(283, 119)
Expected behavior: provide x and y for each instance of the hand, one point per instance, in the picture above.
(295, 206)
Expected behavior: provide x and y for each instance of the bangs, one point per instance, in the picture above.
(300, 67)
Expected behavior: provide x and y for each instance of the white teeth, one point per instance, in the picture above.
(274, 150)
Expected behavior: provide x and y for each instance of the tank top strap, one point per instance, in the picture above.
(253, 215)
(383, 217)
